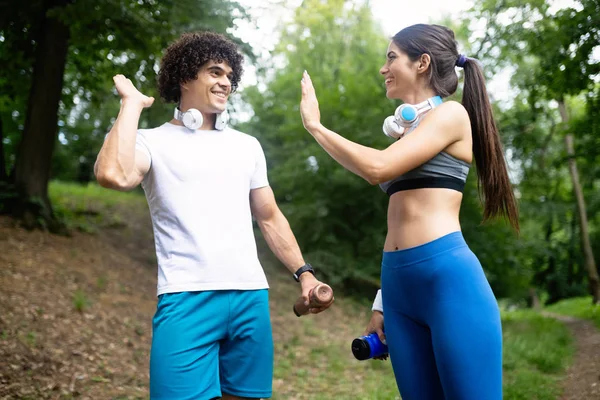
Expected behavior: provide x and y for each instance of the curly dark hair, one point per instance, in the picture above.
(184, 58)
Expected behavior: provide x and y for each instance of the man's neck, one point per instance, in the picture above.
(208, 119)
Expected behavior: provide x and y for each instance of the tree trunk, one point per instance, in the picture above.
(3, 175)
(590, 263)
(534, 299)
(540, 278)
(571, 270)
(555, 291)
(32, 168)
(7, 191)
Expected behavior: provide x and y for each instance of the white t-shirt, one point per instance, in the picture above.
(198, 191)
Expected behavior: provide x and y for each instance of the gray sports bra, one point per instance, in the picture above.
(442, 171)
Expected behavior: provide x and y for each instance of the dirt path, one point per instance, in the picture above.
(75, 311)
(582, 380)
(75, 317)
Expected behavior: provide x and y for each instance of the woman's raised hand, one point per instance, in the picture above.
(309, 105)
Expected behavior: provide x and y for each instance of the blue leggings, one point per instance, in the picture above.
(442, 322)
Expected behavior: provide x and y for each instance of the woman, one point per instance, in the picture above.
(442, 322)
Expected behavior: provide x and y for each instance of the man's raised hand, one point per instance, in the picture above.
(129, 93)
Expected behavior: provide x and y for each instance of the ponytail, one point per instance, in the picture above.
(492, 175)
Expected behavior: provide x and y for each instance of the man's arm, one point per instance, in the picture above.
(119, 166)
(275, 228)
(279, 236)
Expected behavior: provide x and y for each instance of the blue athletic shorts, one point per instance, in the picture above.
(211, 342)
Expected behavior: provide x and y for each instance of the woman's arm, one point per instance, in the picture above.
(443, 126)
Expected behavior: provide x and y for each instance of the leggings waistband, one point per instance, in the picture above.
(424, 251)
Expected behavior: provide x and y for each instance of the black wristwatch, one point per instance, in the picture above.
(303, 269)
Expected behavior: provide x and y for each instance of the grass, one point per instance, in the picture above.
(81, 301)
(89, 207)
(312, 354)
(320, 367)
(536, 352)
(580, 307)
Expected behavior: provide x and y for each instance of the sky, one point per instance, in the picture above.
(393, 15)
(398, 14)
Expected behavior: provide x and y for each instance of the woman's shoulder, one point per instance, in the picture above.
(452, 109)
(456, 120)
(452, 115)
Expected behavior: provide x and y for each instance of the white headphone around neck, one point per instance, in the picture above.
(406, 116)
(192, 119)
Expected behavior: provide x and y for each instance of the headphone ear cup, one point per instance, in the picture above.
(222, 120)
(406, 115)
(192, 119)
(392, 129)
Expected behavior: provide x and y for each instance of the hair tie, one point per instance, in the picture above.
(460, 62)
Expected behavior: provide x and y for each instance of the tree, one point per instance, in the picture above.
(551, 55)
(32, 168)
(66, 51)
(338, 218)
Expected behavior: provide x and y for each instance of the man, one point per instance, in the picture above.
(203, 182)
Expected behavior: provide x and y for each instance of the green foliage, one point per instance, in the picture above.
(127, 40)
(580, 307)
(549, 54)
(536, 353)
(338, 374)
(531, 370)
(529, 338)
(81, 301)
(338, 218)
(106, 38)
(507, 269)
(549, 247)
(30, 339)
(80, 206)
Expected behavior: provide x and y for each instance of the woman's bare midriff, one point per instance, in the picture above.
(419, 216)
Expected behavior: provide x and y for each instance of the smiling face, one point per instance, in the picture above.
(210, 90)
(400, 73)
(406, 79)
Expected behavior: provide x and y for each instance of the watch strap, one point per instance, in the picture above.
(305, 268)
